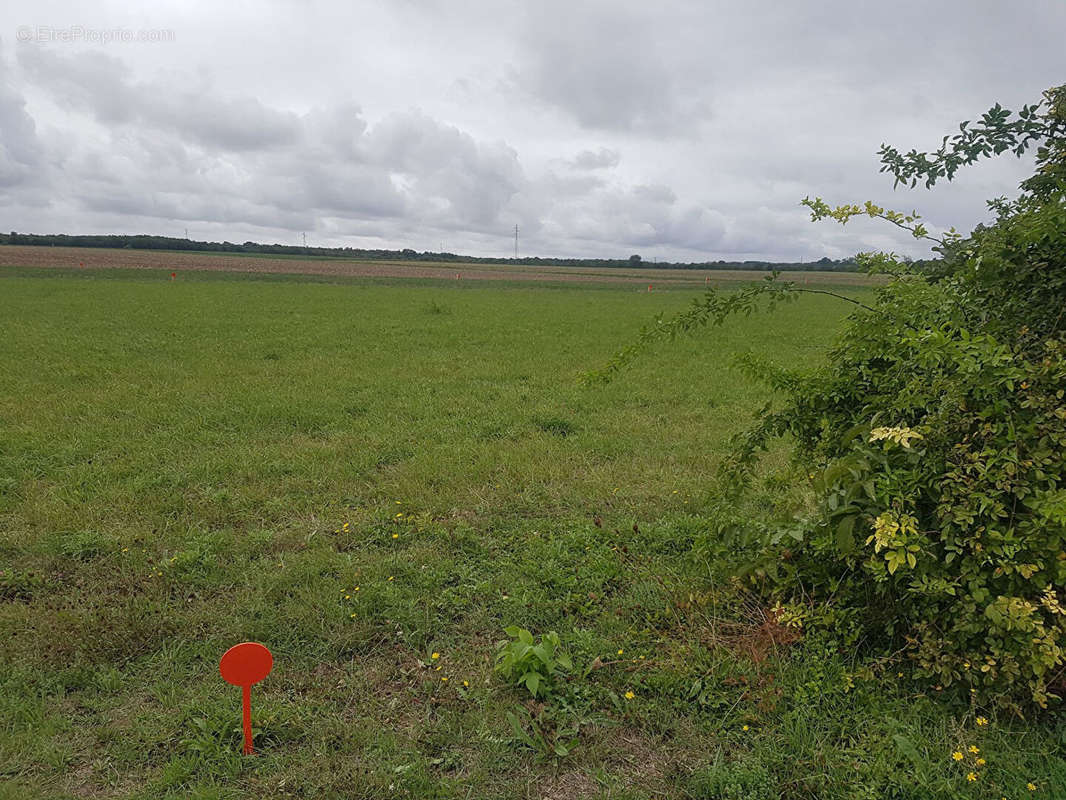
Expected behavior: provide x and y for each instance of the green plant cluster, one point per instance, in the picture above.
(933, 438)
(552, 727)
(539, 666)
(935, 441)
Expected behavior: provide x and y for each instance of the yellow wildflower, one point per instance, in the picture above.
(981, 762)
(435, 656)
(1031, 787)
(971, 777)
(981, 721)
(974, 749)
(957, 755)
(629, 695)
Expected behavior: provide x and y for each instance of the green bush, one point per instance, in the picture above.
(933, 438)
(937, 454)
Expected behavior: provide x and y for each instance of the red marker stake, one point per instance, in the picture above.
(242, 665)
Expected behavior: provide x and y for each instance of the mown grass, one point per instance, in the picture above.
(362, 473)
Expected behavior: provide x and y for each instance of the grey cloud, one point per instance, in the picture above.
(603, 158)
(655, 193)
(457, 177)
(102, 85)
(408, 168)
(20, 150)
(629, 216)
(600, 63)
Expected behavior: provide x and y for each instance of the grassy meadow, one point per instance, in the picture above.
(373, 477)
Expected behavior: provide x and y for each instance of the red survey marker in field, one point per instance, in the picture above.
(242, 665)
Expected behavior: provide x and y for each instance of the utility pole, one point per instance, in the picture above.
(516, 242)
(305, 239)
(186, 233)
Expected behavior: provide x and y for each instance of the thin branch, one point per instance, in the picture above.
(834, 294)
(898, 224)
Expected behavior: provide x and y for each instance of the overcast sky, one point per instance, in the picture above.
(676, 130)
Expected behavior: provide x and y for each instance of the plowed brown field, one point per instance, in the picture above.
(99, 258)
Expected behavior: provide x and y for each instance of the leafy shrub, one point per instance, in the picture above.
(934, 438)
(937, 454)
(936, 435)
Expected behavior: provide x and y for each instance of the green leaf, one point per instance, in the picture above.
(906, 747)
(519, 731)
(532, 681)
(845, 539)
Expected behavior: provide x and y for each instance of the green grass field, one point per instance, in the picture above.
(362, 474)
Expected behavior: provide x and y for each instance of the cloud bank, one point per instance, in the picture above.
(680, 131)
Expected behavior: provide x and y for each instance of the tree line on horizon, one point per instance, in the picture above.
(146, 242)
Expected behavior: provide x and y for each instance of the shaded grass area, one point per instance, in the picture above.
(363, 473)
